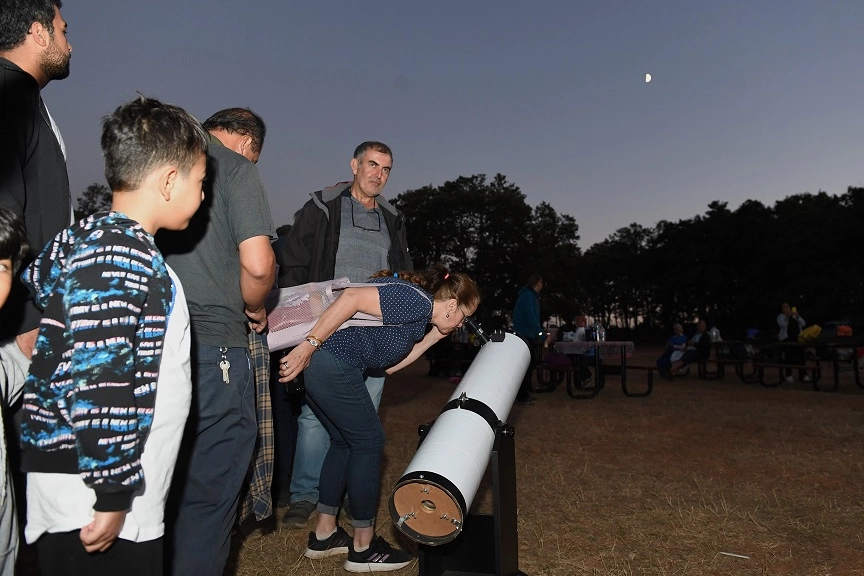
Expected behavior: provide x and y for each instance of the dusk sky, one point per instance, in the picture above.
(752, 99)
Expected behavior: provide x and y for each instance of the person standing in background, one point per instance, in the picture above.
(34, 184)
(227, 266)
(347, 230)
(526, 324)
(33, 179)
(790, 324)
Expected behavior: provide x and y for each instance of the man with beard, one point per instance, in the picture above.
(33, 184)
(33, 179)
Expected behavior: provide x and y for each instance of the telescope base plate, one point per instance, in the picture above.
(488, 544)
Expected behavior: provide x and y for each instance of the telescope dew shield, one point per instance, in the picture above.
(431, 499)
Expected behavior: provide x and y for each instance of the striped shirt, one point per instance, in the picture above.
(88, 400)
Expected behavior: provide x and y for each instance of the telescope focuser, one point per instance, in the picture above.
(481, 336)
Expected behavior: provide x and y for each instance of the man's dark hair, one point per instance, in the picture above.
(16, 17)
(533, 280)
(372, 145)
(144, 134)
(239, 121)
(13, 239)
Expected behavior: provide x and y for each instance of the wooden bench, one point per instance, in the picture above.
(812, 367)
(649, 369)
(719, 371)
(582, 392)
(736, 353)
(549, 377)
(576, 389)
(552, 369)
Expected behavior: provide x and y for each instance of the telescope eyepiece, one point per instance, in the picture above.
(474, 326)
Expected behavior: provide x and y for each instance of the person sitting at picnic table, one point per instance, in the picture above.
(698, 348)
(334, 362)
(675, 348)
(584, 359)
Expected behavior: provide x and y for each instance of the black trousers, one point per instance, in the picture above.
(793, 355)
(62, 554)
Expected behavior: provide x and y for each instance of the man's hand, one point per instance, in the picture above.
(257, 320)
(101, 533)
(27, 341)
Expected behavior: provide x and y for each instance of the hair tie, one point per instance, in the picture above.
(395, 274)
(447, 275)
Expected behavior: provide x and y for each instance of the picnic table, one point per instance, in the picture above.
(751, 358)
(738, 354)
(608, 349)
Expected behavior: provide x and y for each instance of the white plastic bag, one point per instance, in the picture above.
(292, 312)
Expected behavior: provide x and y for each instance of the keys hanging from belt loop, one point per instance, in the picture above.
(225, 365)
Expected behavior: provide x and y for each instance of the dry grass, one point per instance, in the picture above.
(686, 481)
(683, 482)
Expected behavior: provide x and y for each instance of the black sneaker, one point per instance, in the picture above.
(298, 514)
(337, 543)
(379, 557)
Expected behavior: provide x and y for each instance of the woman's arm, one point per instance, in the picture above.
(420, 347)
(351, 301)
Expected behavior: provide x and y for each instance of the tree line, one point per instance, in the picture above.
(731, 267)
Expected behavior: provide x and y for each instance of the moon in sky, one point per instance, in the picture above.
(647, 78)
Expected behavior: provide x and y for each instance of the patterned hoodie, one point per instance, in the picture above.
(88, 400)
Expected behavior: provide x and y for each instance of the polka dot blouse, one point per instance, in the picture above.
(406, 309)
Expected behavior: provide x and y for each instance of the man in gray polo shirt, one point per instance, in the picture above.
(346, 230)
(227, 267)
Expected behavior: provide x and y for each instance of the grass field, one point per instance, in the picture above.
(699, 478)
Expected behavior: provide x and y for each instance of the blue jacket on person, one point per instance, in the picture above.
(526, 314)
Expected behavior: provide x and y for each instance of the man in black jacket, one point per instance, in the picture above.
(33, 184)
(347, 230)
(33, 179)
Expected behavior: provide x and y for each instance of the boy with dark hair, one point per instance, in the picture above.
(99, 444)
(13, 250)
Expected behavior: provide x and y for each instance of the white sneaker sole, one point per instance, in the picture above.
(315, 554)
(374, 566)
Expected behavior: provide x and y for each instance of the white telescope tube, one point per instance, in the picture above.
(430, 501)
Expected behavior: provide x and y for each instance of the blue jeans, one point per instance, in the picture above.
(212, 464)
(337, 394)
(313, 441)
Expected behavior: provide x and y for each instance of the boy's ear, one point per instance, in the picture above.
(167, 179)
